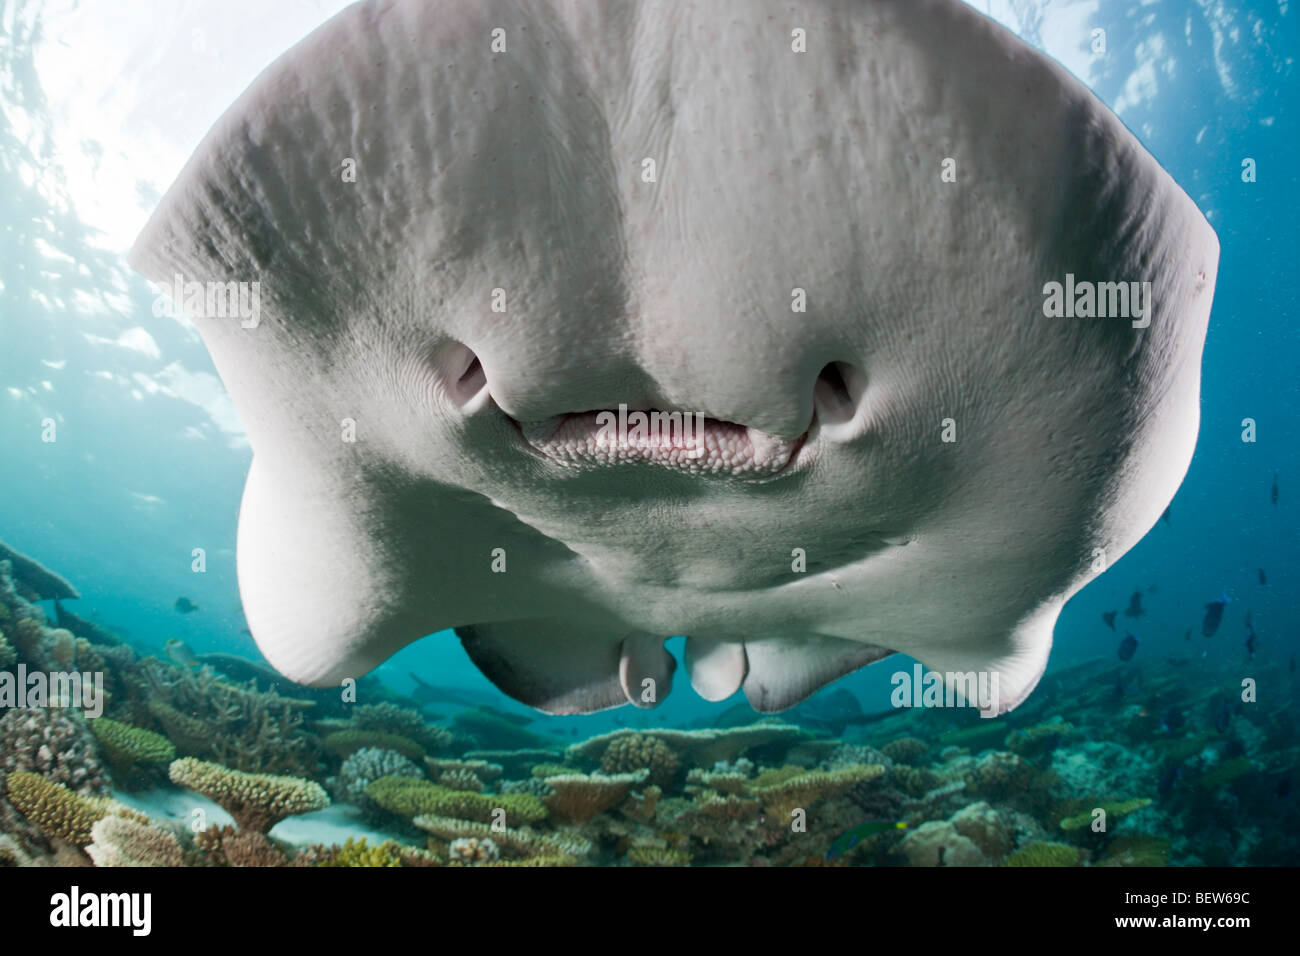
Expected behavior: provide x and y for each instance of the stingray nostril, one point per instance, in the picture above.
(835, 395)
(463, 378)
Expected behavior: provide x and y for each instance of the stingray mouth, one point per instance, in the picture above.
(682, 441)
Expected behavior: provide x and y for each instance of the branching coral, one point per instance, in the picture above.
(471, 851)
(54, 809)
(366, 766)
(781, 799)
(524, 842)
(1113, 810)
(389, 718)
(658, 856)
(386, 854)
(118, 841)
(226, 846)
(408, 798)
(642, 752)
(1044, 854)
(128, 746)
(579, 798)
(344, 743)
(483, 769)
(465, 780)
(256, 801)
(907, 750)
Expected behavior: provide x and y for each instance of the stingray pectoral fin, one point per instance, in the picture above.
(784, 670)
(1007, 666)
(555, 666)
(320, 593)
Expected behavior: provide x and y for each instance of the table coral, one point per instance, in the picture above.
(524, 842)
(403, 721)
(408, 798)
(482, 769)
(806, 789)
(580, 798)
(1114, 811)
(118, 841)
(356, 853)
(703, 748)
(1041, 853)
(257, 802)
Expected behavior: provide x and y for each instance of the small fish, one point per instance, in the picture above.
(180, 652)
(1274, 492)
(1223, 718)
(1135, 608)
(1173, 720)
(847, 841)
(1128, 647)
(185, 606)
(1165, 517)
(1187, 634)
(1109, 618)
(1249, 626)
(1263, 578)
(1169, 779)
(1250, 645)
(1214, 615)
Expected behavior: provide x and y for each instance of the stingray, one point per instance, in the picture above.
(486, 242)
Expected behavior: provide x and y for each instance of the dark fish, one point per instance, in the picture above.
(185, 606)
(1274, 492)
(1109, 618)
(1263, 578)
(1250, 644)
(1173, 720)
(847, 841)
(1128, 647)
(1187, 635)
(1214, 615)
(1223, 718)
(1135, 608)
(1165, 517)
(1249, 626)
(1283, 788)
(1169, 779)
(426, 693)
(833, 711)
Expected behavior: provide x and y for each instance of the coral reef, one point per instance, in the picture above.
(389, 718)
(408, 798)
(579, 798)
(521, 842)
(119, 841)
(642, 752)
(358, 853)
(364, 767)
(473, 850)
(1114, 811)
(127, 747)
(907, 750)
(54, 809)
(257, 802)
(228, 846)
(55, 743)
(939, 843)
(344, 743)
(802, 791)
(1041, 853)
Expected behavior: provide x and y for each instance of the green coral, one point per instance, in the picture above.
(408, 797)
(388, 853)
(127, 746)
(1113, 812)
(403, 721)
(774, 776)
(343, 743)
(1136, 849)
(1044, 854)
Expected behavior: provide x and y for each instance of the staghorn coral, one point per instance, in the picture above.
(907, 750)
(344, 743)
(55, 743)
(658, 856)
(524, 842)
(642, 752)
(355, 853)
(118, 841)
(257, 802)
(408, 798)
(242, 728)
(1114, 811)
(128, 746)
(781, 799)
(364, 767)
(472, 851)
(54, 809)
(580, 798)
(1041, 853)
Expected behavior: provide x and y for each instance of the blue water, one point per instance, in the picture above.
(149, 462)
